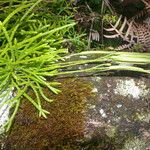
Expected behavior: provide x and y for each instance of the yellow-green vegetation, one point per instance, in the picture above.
(65, 123)
(31, 43)
(33, 37)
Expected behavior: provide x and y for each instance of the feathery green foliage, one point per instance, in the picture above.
(29, 49)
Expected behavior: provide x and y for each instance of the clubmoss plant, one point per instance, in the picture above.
(29, 51)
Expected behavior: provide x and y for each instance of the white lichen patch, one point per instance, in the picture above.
(95, 123)
(130, 87)
(119, 105)
(94, 90)
(4, 110)
(4, 113)
(83, 57)
(90, 106)
(103, 114)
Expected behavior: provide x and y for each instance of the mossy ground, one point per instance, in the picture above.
(64, 125)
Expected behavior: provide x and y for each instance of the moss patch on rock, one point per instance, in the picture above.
(63, 127)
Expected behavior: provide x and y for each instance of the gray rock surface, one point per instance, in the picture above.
(120, 111)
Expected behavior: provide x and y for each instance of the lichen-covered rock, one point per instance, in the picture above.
(91, 113)
(120, 112)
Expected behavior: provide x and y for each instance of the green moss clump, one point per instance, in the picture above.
(65, 123)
